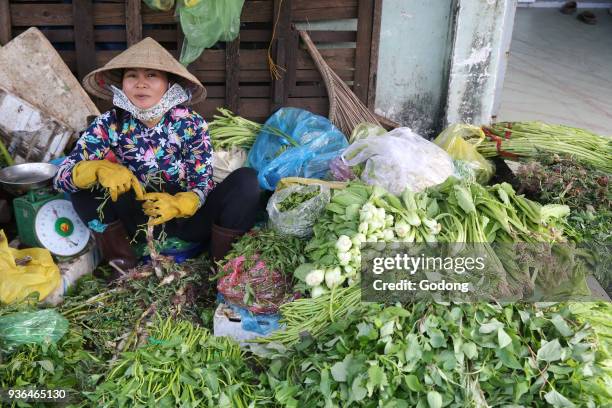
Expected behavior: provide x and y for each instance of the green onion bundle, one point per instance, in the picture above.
(531, 139)
(228, 130)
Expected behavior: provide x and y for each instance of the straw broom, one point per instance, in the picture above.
(346, 110)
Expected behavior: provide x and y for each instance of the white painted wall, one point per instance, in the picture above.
(415, 45)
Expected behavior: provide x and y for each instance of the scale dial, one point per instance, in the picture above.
(59, 229)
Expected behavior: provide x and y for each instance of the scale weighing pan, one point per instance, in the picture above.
(21, 178)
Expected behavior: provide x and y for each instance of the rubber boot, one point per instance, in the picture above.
(115, 247)
(221, 240)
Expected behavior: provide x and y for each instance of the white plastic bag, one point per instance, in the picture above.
(226, 161)
(298, 221)
(400, 159)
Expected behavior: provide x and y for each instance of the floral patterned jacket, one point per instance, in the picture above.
(178, 149)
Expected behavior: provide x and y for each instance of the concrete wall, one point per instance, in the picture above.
(478, 60)
(581, 4)
(441, 61)
(415, 46)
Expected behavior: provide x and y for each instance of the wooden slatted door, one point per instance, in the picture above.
(88, 34)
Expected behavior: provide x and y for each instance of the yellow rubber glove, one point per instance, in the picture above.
(115, 177)
(162, 207)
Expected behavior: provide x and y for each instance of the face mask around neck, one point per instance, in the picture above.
(174, 96)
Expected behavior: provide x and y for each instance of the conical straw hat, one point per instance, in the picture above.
(146, 54)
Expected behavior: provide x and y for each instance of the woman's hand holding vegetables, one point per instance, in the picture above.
(115, 177)
(162, 207)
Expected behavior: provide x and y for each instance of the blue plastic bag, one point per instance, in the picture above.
(258, 323)
(275, 157)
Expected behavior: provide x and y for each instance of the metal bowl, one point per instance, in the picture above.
(21, 178)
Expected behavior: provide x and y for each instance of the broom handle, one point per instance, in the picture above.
(323, 69)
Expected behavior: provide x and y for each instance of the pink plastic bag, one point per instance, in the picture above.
(259, 290)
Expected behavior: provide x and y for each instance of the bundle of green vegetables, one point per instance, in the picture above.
(295, 199)
(64, 365)
(182, 365)
(435, 355)
(525, 140)
(562, 179)
(228, 130)
(453, 212)
(278, 252)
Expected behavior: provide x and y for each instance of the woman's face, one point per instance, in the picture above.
(144, 87)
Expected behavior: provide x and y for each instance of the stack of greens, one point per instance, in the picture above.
(433, 356)
(228, 130)
(528, 140)
(64, 364)
(182, 365)
(278, 252)
(453, 212)
(562, 179)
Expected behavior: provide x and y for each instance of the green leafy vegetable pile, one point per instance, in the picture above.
(452, 212)
(66, 365)
(113, 319)
(430, 356)
(182, 365)
(279, 252)
(586, 190)
(228, 130)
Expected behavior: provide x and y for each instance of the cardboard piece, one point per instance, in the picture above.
(33, 71)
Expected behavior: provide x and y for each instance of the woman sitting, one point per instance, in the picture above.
(152, 138)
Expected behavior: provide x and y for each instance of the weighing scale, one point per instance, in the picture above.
(45, 219)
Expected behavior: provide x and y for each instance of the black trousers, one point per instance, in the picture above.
(232, 204)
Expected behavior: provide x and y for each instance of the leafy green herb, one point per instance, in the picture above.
(294, 199)
(434, 355)
(182, 365)
(279, 252)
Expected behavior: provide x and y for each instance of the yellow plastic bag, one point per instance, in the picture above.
(40, 274)
(453, 141)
